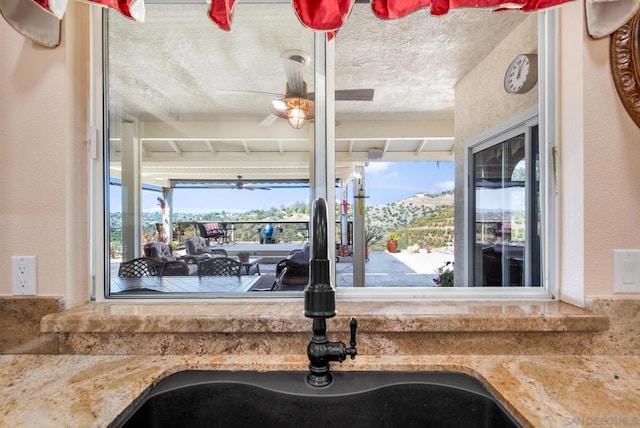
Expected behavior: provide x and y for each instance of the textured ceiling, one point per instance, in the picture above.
(179, 66)
(199, 93)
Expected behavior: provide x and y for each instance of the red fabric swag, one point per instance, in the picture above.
(391, 9)
(330, 15)
(322, 15)
(221, 12)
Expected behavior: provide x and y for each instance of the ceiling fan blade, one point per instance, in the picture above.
(221, 186)
(268, 121)
(293, 70)
(240, 91)
(354, 95)
(349, 95)
(256, 188)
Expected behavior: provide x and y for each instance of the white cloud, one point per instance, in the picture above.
(446, 185)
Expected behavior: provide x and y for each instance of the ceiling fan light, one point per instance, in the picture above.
(296, 110)
(297, 117)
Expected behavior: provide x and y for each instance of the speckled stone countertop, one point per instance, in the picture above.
(501, 344)
(258, 317)
(541, 391)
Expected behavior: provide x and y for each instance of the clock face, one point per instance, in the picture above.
(522, 74)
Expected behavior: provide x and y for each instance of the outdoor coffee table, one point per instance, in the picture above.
(252, 264)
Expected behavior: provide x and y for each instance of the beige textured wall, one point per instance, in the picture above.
(611, 172)
(43, 156)
(482, 103)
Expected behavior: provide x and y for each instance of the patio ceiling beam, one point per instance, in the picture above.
(175, 147)
(281, 130)
(385, 148)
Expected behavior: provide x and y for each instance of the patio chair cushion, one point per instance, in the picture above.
(197, 245)
(159, 250)
(297, 266)
(210, 230)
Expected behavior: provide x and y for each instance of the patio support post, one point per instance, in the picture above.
(358, 229)
(167, 221)
(324, 154)
(131, 207)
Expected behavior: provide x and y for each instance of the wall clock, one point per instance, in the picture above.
(522, 74)
(625, 65)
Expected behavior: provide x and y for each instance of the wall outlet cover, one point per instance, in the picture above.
(626, 271)
(24, 275)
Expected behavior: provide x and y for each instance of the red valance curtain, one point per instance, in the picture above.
(330, 15)
(318, 15)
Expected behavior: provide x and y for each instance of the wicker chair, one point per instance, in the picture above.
(219, 266)
(140, 267)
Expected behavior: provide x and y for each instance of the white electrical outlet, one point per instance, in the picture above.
(24, 275)
(626, 271)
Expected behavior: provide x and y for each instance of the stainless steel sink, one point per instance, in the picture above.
(284, 399)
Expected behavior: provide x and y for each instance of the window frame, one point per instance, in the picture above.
(546, 111)
(502, 134)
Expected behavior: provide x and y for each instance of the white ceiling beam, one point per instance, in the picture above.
(275, 159)
(245, 146)
(175, 147)
(239, 130)
(385, 148)
(351, 143)
(421, 146)
(210, 146)
(281, 130)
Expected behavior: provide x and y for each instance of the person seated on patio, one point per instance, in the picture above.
(197, 247)
(172, 265)
(297, 264)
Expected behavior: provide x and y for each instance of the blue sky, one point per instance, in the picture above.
(385, 182)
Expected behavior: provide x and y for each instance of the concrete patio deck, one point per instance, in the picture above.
(402, 269)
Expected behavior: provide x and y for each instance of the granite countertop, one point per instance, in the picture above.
(287, 316)
(541, 391)
(552, 390)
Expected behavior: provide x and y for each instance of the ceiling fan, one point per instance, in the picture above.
(297, 105)
(239, 185)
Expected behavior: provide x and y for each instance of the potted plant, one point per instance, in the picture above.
(243, 256)
(392, 243)
(445, 275)
(371, 235)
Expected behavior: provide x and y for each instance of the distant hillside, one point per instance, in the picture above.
(426, 219)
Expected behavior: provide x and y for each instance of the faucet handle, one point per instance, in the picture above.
(353, 325)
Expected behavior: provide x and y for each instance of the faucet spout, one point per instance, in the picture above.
(319, 295)
(320, 304)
